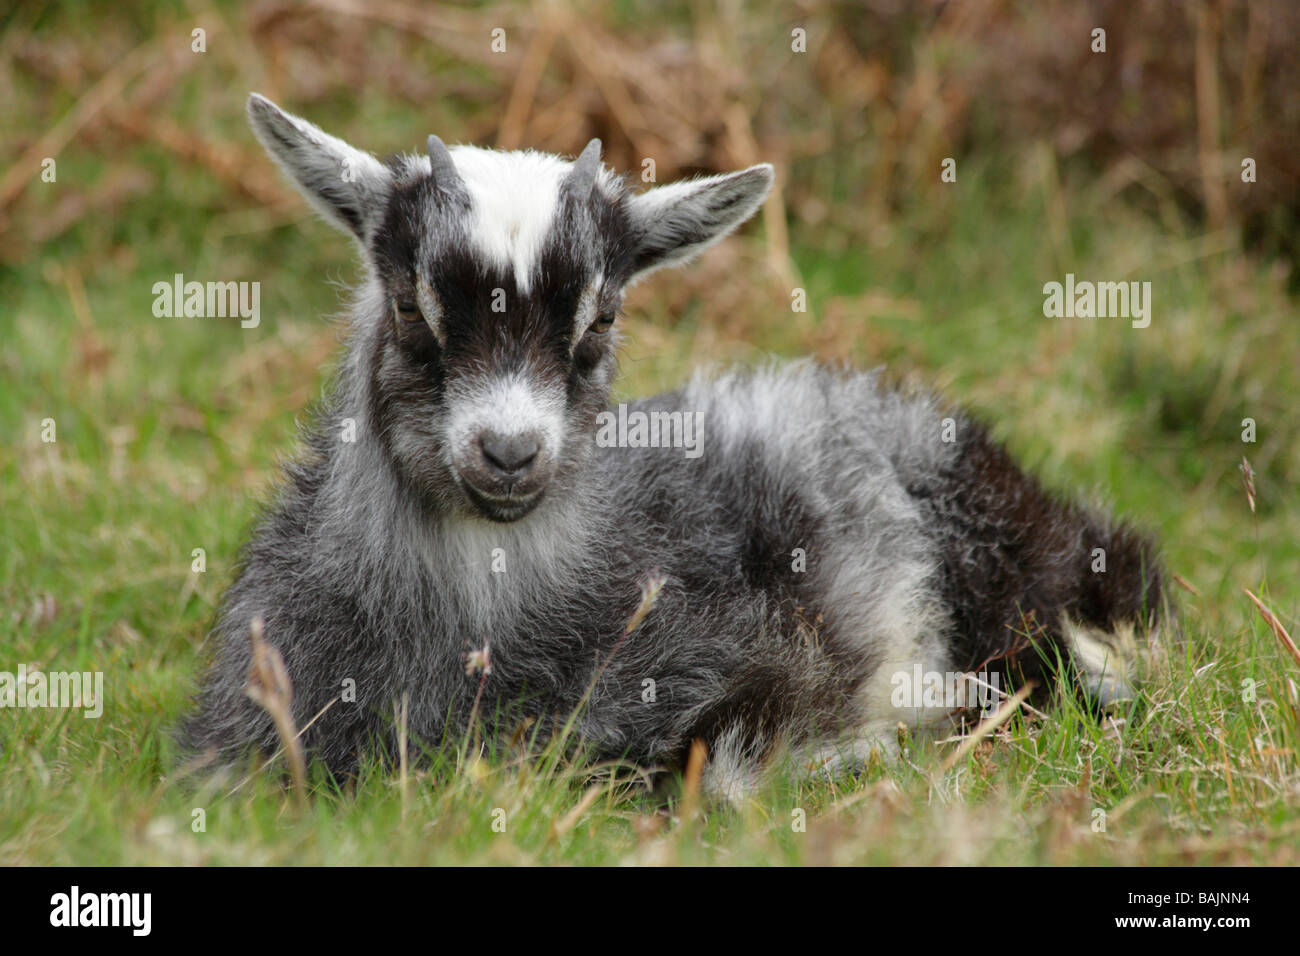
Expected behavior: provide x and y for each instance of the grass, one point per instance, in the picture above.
(168, 432)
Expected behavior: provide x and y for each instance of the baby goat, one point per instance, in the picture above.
(453, 503)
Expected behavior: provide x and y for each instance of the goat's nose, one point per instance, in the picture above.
(509, 454)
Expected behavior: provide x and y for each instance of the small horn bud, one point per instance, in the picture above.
(442, 165)
(583, 175)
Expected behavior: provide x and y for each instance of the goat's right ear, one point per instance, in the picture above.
(346, 186)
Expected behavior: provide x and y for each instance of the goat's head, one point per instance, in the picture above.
(496, 279)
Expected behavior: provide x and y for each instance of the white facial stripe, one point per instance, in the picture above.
(507, 405)
(515, 196)
(430, 307)
(586, 311)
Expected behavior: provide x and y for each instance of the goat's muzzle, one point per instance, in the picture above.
(505, 474)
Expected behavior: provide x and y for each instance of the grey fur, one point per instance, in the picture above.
(379, 564)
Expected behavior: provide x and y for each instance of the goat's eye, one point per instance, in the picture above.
(603, 323)
(406, 311)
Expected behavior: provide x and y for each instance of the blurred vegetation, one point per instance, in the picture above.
(1117, 166)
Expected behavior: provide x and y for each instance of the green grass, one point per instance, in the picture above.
(168, 432)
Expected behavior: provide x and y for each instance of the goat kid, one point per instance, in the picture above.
(830, 534)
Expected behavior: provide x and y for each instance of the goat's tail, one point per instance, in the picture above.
(1116, 625)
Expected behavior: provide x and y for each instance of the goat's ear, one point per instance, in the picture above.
(675, 222)
(348, 187)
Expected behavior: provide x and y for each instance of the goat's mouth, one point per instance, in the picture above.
(503, 509)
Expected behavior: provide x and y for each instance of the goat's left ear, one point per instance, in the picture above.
(348, 187)
(672, 223)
